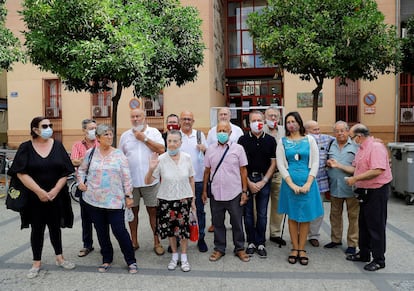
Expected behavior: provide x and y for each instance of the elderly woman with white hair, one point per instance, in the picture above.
(107, 191)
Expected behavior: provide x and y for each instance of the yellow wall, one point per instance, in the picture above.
(197, 97)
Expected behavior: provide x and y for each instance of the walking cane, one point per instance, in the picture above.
(283, 228)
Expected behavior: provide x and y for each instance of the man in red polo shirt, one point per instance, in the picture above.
(372, 177)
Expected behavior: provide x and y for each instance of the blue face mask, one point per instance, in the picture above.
(222, 137)
(173, 152)
(46, 133)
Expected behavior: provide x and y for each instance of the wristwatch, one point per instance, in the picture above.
(245, 192)
(145, 139)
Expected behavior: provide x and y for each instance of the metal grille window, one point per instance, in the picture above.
(346, 101)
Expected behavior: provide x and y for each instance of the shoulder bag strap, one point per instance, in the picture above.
(225, 152)
(89, 163)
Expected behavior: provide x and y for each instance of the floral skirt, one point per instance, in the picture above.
(173, 218)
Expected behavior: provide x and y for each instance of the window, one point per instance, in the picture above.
(346, 101)
(53, 99)
(241, 51)
(101, 102)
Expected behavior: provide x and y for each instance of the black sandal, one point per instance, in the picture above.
(303, 260)
(293, 259)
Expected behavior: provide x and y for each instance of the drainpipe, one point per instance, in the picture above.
(397, 77)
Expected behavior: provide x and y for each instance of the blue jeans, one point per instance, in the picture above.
(102, 219)
(256, 233)
(201, 214)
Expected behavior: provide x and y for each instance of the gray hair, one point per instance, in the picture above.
(85, 122)
(275, 109)
(102, 128)
(341, 122)
(361, 129)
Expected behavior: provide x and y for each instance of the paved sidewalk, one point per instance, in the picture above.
(327, 269)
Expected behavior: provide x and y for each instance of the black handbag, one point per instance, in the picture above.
(79, 192)
(17, 195)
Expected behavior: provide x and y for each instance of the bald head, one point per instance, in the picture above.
(186, 121)
(311, 126)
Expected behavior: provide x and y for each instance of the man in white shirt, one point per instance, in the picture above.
(195, 147)
(224, 114)
(138, 143)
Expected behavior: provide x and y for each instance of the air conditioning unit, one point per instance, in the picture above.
(407, 115)
(100, 111)
(52, 112)
(149, 105)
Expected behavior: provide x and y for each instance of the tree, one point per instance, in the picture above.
(10, 49)
(140, 43)
(408, 48)
(324, 39)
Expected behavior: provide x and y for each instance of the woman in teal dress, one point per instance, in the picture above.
(298, 162)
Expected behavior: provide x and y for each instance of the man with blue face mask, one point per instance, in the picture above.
(77, 155)
(228, 190)
(261, 153)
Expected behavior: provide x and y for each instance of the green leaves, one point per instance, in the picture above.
(319, 39)
(10, 48)
(147, 44)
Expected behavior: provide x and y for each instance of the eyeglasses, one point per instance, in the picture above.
(44, 126)
(187, 119)
(353, 137)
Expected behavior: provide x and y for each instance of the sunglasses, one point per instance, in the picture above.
(44, 126)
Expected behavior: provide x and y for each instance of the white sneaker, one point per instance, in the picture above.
(33, 273)
(185, 266)
(66, 265)
(172, 265)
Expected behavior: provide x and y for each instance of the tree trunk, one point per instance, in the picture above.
(315, 93)
(115, 101)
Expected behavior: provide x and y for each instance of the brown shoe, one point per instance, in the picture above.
(314, 242)
(215, 256)
(159, 250)
(242, 256)
(211, 228)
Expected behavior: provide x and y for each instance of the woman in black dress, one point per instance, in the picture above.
(42, 165)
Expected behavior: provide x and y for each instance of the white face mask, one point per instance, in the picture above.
(271, 124)
(139, 127)
(91, 134)
(256, 126)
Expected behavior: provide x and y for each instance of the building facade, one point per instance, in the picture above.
(232, 75)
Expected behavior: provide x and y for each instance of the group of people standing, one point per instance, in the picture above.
(178, 172)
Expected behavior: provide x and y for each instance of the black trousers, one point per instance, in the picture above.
(372, 223)
(40, 218)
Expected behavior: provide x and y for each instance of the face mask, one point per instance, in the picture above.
(139, 127)
(91, 134)
(292, 127)
(222, 137)
(173, 152)
(256, 126)
(317, 136)
(271, 124)
(173, 127)
(46, 133)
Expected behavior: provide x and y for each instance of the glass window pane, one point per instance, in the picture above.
(247, 61)
(246, 10)
(232, 9)
(234, 62)
(247, 43)
(234, 43)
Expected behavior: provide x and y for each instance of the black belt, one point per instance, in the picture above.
(256, 174)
